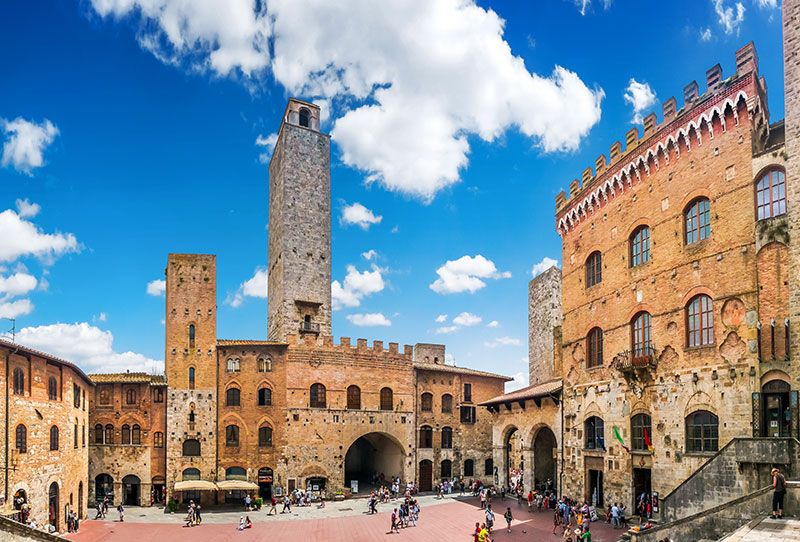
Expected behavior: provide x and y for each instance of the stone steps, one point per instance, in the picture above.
(766, 529)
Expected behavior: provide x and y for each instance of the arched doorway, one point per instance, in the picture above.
(776, 413)
(544, 461)
(513, 461)
(53, 505)
(131, 489)
(426, 475)
(104, 488)
(371, 459)
(265, 483)
(80, 500)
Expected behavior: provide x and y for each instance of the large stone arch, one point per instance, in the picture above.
(544, 445)
(371, 454)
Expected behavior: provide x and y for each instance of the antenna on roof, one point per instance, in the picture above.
(13, 330)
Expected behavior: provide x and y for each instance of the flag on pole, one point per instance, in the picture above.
(619, 438)
(647, 441)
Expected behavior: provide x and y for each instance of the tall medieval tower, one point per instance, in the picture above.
(191, 367)
(299, 281)
(791, 74)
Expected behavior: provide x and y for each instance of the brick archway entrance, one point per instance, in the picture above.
(372, 459)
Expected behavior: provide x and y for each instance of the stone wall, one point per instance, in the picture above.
(16, 532)
(791, 75)
(544, 315)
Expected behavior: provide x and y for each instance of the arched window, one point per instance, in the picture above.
(469, 467)
(136, 434)
(594, 269)
(641, 338)
(21, 443)
(52, 388)
(191, 378)
(191, 474)
(426, 402)
(19, 381)
(641, 432)
(305, 117)
(317, 396)
(75, 435)
(488, 467)
(158, 439)
(447, 469)
(595, 433)
(702, 432)
(771, 194)
(265, 436)
(126, 434)
(426, 436)
(109, 439)
(700, 321)
(232, 435)
(640, 246)
(447, 403)
(233, 397)
(264, 365)
(54, 439)
(130, 396)
(235, 473)
(233, 365)
(264, 396)
(594, 347)
(447, 437)
(191, 448)
(386, 399)
(353, 397)
(98, 434)
(697, 219)
(191, 336)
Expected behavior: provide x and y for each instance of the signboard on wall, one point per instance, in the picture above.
(354, 486)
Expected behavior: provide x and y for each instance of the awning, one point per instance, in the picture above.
(195, 485)
(234, 485)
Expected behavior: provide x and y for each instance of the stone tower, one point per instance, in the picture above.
(299, 280)
(544, 325)
(191, 366)
(791, 74)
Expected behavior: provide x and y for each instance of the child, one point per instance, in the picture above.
(508, 517)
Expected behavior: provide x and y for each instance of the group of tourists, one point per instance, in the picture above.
(405, 515)
(193, 516)
(72, 522)
(573, 519)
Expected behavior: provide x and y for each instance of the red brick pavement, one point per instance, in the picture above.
(440, 523)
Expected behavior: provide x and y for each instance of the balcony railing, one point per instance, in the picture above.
(309, 327)
(636, 360)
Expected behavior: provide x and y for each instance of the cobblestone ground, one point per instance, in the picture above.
(440, 520)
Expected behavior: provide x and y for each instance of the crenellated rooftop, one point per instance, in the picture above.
(677, 132)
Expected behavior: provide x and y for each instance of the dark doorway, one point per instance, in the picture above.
(131, 489)
(775, 410)
(514, 463)
(371, 459)
(52, 505)
(80, 500)
(425, 475)
(595, 487)
(104, 487)
(641, 486)
(265, 483)
(157, 490)
(544, 461)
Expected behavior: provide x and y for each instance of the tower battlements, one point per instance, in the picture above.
(346, 345)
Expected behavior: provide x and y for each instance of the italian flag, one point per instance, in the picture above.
(618, 436)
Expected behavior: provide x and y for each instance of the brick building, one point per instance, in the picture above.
(674, 315)
(45, 422)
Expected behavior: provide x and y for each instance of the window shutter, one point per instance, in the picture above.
(793, 400)
(756, 414)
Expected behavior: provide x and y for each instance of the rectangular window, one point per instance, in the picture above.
(158, 395)
(467, 414)
(76, 396)
(467, 393)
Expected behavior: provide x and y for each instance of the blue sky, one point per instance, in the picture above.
(131, 132)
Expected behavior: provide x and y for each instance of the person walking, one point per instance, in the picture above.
(779, 485)
(615, 522)
(395, 527)
(273, 502)
(287, 505)
(489, 518)
(198, 519)
(509, 518)
(121, 511)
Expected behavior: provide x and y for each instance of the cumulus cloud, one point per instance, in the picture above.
(360, 216)
(16, 285)
(255, 286)
(418, 78)
(705, 35)
(441, 318)
(466, 274)
(369, 320)
(26, 209)
(268, 144)
(502, 341)
(730, 17)
(493, 324)
(641, 97)
(467, 319)
(25, 143)
(88, 346)
(369, 255)
(156, 287)
(21, 237)
(446, 329)
(15, 309)
(542, 266)
(356, 286)
(520, 381)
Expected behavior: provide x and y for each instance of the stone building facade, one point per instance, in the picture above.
(45, 419)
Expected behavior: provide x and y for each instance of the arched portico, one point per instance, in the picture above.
(370, 456)
(545, 446)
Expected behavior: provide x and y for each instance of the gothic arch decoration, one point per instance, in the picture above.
(775, 374)
(700, 400)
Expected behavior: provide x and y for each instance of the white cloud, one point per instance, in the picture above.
(356, 286)
(767, 4)
(268, 143)
(467, 319)
(441, 318)
(493, 324)
(730, 19)
(360, 216)
(446, 329)
(465, 275)
(520, 381)
(16, 285)
(156, 287)
(369, 255)
(418, 78)
(502, 341)
(26, 209)
(102, 317)
(15, 309)
(543, 265)
(369, 320)
(22, 238)
(641, 97)
(26, 142)
(88, 346)
(255, 286)
(705, 35)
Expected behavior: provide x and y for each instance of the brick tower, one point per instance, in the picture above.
(791, 70)
(299, 226)
(191, 367)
